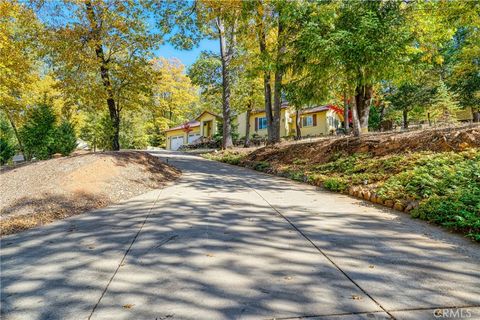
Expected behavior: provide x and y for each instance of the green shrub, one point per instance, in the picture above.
(230, 157)
(296, 175)
(65, 138)
(459, 211)
(233, 158)
(335, 184)
(7, 151)
(435, 174)
(345, 164)
(261, 165)
(38, 132)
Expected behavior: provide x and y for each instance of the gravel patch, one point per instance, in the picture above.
(45, 191)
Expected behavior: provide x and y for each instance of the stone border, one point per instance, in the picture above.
(400, 205)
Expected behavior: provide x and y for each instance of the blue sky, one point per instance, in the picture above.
(188, 57)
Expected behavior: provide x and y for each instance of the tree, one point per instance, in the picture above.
(65, 138)
(443, 104)
(361, 43)
(133, 134)
(38, 132)
(408, 97)
(7, 146)
(372, 39)
(174, 98)
(206, 72)
(107, 45)
(7, 151)
(273, 27)
(227, 46)
(299, 94)
(221, 21)
(247, 82)
(19, 34)
(463, 54)
(262, 12)
(97, 130)
(247, 92)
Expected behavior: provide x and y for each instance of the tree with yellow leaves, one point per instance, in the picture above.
(101, 52)
(19, 30)
(174, 98)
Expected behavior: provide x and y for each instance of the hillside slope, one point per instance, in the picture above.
(433, 174)
(377, 144)
(40, 192)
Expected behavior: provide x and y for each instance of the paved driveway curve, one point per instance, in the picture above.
(229, 243)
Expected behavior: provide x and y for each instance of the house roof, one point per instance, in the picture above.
(315, 109)
(284, 105)
(213, 114)
(191, 124)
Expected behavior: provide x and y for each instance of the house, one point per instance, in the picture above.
(319, 120)
(464, 115)
(205, 125)
(315, 121)
(258, 122)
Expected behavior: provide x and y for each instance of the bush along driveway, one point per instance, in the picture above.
(442, 187)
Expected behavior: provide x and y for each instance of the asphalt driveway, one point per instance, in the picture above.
(229, 243)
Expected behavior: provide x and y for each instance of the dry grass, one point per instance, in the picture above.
(28, 221)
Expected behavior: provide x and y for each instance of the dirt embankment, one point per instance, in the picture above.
(323, 150)
(430, 174)
(41, 192)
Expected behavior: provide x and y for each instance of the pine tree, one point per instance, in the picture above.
(444, 105)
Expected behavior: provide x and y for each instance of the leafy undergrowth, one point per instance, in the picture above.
(442, 187)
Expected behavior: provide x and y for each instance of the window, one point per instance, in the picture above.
(307, 121)
(333, 122)
(262, 123)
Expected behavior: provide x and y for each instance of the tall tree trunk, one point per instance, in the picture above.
(266, 73)
(277, 108)
(226, 55)
(17, 135)
(476, 115)
(405, 118)
(298, 129)
(382, 113)
(355, 119)
(268, 104)
(277, 102)
(346, 122)
(363, 95)
(104, 74)
(247, 126)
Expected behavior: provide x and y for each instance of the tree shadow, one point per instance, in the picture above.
(221, 251)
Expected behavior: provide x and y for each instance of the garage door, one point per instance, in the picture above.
(193, 136)
(176, 142)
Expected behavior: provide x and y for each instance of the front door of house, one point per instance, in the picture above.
(207, 128)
